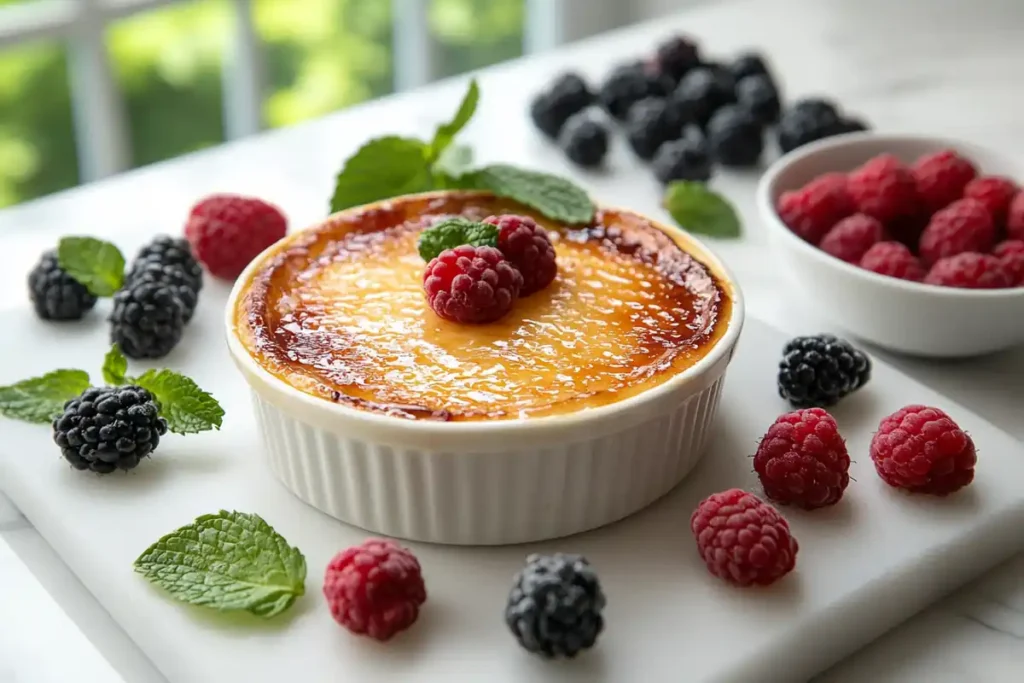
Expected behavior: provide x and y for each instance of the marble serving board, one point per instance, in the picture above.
(864, 565)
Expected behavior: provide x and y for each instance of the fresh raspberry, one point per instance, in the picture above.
(893, 259)
(375, 588)
(1015, 218)
(1011, 255)
(995, 193)
(802, 460)
(742, 539)
(922, 449)
(940, 178)
(527, 247)
(969, 270)
(811, 211)
(227, 231)
(470, 284)
(964, 225)
(851, 237)
(884, 188)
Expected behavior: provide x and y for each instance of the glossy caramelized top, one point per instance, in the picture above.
(339, 312)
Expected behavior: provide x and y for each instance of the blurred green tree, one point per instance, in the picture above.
(320, 55)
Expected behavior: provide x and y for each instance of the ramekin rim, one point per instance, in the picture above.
(678, 383)
(766, 190)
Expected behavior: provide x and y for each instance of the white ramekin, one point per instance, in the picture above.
(489, 483)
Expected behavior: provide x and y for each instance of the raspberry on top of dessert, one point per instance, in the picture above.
(338, 312)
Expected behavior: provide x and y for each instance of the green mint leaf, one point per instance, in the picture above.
(382, 168)
(453, 165)
(187, 408)
(227, 561)
(40, 399)
(453, 232)
(115, 365)
(446, 132)
(98, 265)
(700, 210)
(555, 197)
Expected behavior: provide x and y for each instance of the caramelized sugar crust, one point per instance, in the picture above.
(339, 312)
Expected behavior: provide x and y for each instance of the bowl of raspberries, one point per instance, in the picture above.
(913, 243)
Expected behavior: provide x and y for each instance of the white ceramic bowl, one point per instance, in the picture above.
(906, 317)
(491, 482)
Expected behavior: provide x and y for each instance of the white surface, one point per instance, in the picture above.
(907, 317)
(942, 67)
(864, 565)
(465, 483)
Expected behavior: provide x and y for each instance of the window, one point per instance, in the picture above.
(89, 88)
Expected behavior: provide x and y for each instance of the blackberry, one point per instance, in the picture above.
(172, 276)
(109, 428)
(551, 109)
(819, 107)
(147, 320)
(758, 95)
(627, 85)
(683, 159)
(554, 607)
(735, 138)
(585, 140)
(55, 294)
(801, 125)
(700, 94)
(171, 251)
(749, 64)
(676, 56)
(818, 371)
(650, 124)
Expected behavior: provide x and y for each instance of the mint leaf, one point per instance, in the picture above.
(227, 561)
(555, 197)
(453, 232)
(382, 168)
(187, 408)
(700, 210)
(115, 365)
(40, 399)
(447, 132)
(453, 165)
(98, 265)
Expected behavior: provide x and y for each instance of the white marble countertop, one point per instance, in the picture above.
(946, 67)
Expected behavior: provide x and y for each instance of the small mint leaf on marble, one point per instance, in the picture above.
(97, 265)
(40, 399)
(187, 408)
(554, 197)
(227, 561)
(453, 232)
(446, 132)
(700, 210)
(115, 365)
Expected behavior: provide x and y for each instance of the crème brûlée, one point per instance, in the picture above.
(338, 311)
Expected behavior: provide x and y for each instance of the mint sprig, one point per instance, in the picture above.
(97, 265)
(187, 408)
(391, 166)
(382, 168)
(552, 196)
(700, 210)
(453, 232)
(446, 132)
(227, 561)
(40, 399)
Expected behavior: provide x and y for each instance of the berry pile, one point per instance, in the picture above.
(479, 283)
(936, 221)
(683, 112)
